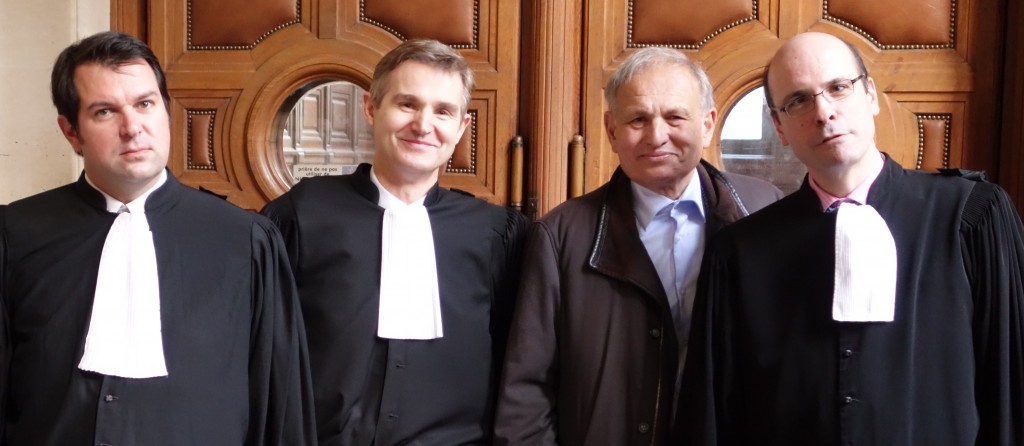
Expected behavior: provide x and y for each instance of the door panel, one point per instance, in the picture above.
(936, 64)
(235, 67)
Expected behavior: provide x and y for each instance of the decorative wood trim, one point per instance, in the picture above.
(129, 16)
(952, 31)
(472, 149)
(550, 97)
(947, 119)
(476, 26)
(631, 44)
(192, 47)
(191, 147)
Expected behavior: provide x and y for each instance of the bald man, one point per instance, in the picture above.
(874, 306)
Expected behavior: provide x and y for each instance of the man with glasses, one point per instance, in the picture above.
(875, 305)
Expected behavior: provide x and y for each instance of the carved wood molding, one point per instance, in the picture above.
(731, 16)
(550, 98)
(929, 128)
(200, 146)
(254, 12)
(397, 16)
(853, 13)
(458, 165)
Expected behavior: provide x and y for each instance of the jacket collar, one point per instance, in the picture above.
(618, 251)
(722, 204)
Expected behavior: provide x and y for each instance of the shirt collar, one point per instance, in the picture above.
(388, 200)
(859, 194)
(137, 205)
(647, 203)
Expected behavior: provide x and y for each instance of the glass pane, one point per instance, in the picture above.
(325, 132)
(751, 147)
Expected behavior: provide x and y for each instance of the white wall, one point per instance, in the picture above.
(33, 155)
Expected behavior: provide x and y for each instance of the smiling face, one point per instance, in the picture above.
(834, 138)
(658, 128)
(123, 131)
(417, 124)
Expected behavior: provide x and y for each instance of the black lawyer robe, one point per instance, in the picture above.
(377, 391)
(768, 365)
(231, 326)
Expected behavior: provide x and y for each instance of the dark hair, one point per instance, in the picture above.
(768, 93)
(109, 49)
(430, 52)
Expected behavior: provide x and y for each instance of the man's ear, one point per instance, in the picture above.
(778, 128)
(709, 126)
(869, 87)
(466, 120)
(609, 125)
(70, 133)
(368, 109)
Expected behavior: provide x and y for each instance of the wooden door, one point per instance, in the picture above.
(942, 67)
(235, 67)
(936, 63)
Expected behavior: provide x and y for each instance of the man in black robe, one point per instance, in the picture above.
(211, 347)
(778, 357)
(406, 338)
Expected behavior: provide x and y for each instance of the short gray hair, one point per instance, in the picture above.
(651, 56)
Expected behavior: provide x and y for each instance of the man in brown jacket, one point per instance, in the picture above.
(602, 322)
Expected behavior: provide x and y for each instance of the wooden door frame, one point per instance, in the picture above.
(1011, 153)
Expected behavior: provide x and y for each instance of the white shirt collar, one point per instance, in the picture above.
(647, 203)
(137, 205)
(388, 200)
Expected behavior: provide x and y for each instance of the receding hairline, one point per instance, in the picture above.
(787, 48)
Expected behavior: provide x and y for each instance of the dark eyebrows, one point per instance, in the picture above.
(146, 95)
(102, 104)
(442, 105)
(806, 92)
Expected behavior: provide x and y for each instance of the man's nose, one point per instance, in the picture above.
(421, 122)
(657, 133)
(824, 109)
(131, 125)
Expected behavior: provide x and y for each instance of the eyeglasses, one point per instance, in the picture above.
(836, 91)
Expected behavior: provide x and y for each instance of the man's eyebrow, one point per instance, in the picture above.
(808, 91)
(413, 98)
(103, 103)
(406, 97)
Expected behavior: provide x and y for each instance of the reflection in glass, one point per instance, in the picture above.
(325, 132)
(751, 147)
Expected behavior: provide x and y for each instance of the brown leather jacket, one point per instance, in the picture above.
(593, 357)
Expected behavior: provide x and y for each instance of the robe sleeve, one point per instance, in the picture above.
(505, 283)
(282, 214)
(526, 404)
(704, 402)
(281, 392)
(992, 240)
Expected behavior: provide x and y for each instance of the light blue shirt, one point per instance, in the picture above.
(673, 233)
